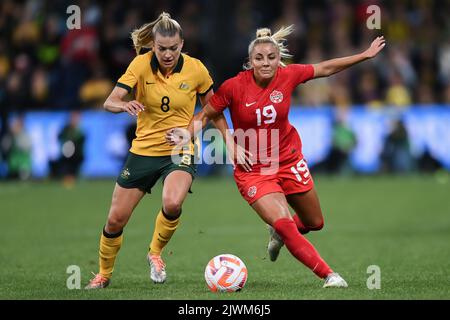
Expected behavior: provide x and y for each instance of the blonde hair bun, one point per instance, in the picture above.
(164, 14)
(263, 32)
(264, 35)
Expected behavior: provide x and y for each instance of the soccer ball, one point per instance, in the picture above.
(225, 273)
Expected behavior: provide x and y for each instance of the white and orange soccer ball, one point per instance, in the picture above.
(225, 273)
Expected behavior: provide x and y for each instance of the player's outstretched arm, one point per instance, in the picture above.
(329, 67)
(115, 104)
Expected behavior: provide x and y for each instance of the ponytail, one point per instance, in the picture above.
(144, 36)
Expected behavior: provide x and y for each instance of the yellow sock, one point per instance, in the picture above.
(164, 229)
(109, 247)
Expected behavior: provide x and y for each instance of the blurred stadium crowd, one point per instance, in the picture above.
(46, 66)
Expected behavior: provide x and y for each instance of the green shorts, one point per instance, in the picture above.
(143, 172)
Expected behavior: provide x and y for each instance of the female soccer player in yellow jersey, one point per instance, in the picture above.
(166, 84)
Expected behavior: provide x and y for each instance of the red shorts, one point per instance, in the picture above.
(289, 178)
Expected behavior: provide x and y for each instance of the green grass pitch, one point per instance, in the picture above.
(401, 224)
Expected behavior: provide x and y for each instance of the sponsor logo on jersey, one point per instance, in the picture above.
(252, 191)
(249, 104)
(276, 96)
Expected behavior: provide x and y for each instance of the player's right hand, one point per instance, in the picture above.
(375, 47)
(133, 107)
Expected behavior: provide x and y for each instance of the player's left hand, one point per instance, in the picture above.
(178, 136)
(376, 46)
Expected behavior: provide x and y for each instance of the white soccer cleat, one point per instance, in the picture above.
(157, 268)
(334, 280)
(275, 244)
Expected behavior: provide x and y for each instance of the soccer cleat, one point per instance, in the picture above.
(334, 280)
(157, 268)
(275, 244)
(98, 282)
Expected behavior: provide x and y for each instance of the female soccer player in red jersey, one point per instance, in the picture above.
(278, 176)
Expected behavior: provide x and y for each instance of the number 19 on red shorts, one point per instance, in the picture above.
(290, 179)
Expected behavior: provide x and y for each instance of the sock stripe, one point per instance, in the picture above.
(171, 218)
(113, 235)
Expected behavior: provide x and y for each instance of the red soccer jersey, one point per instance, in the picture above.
(258, 111)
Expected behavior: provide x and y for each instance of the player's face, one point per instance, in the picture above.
(167, 50)
(265, 59)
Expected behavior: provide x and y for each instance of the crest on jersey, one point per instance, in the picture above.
(276, 96)
(184, 86)
(125, 174)
(251, 191)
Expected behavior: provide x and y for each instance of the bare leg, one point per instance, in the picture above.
(307, 207)
(176, 187)
(271, 207)
(122, 205)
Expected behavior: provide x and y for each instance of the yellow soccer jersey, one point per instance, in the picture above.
(169, 101)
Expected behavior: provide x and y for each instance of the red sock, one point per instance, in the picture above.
(301, 248)
(300, 226)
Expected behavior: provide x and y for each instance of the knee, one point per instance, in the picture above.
(171, 207)
(115, 223)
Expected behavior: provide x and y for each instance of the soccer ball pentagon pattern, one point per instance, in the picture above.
(225, 273)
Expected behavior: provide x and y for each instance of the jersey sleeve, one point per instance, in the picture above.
(222, 98)
(205, 83)
(129, 79)
(301, 73)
